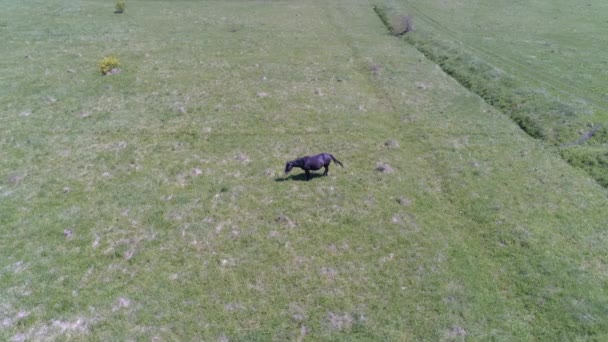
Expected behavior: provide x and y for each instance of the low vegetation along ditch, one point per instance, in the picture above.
(539, 113)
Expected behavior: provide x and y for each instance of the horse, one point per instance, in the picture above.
(314, 163)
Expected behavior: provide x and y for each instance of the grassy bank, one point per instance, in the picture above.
(152, 204)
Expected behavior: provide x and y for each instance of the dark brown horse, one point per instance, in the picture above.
(312, 163)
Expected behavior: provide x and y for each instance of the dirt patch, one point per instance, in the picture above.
(329, 273)
(332, 248)
(297, 313)
(269, 173)
(68, 233)
(234, 307)
(121, 303)
(17, 267)
(54, 330)
(228, 262)
(96, 242)
(123, 248)
(455, 332)
(340, 322)
(8, 321)
(16, 178)
(114, 71)
(384, 168)
(243, 158)
(303, 332)
(391, 143)
(422, 85)
(404, 201)
(285, 221)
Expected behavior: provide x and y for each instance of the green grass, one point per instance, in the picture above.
(151, 204)
(538, 62)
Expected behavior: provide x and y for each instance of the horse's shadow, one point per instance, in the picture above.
(299, 177)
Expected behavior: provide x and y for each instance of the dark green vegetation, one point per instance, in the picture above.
(151, 203)
(542, 63)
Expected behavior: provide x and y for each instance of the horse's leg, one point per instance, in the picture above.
(326, 170)
(308, 177)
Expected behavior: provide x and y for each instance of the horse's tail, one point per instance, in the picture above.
(336, 160)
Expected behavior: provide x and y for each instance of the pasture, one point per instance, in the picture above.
(151, 204)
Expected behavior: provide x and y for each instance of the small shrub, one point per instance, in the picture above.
(109, 65)
(120, 6)
(397, 25)
(402, 25)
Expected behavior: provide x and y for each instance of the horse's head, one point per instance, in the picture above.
(288, 167)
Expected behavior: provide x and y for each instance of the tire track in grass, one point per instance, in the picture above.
(347, 41)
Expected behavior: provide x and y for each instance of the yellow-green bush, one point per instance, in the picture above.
(108, 64)
(120, 6)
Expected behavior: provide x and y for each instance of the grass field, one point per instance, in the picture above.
(540, 62)
(151, 204)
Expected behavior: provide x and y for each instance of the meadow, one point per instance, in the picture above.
(540, 62)
(151, 204)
